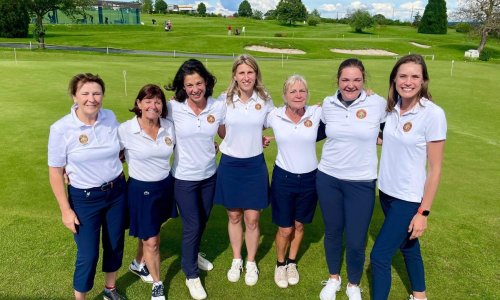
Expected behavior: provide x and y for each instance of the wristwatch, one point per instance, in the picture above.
(423, 212)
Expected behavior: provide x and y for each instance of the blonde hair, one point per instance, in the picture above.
(258, 87)
(291, 80)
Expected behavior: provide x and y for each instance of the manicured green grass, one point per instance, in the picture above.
(209, 35)
(460, 248)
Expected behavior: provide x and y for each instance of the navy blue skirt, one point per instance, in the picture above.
(150, 205)
(242, 183)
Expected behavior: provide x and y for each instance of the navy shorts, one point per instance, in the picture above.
(242, 183)
(293, 197)
(150, 205)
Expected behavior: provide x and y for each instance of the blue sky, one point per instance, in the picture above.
(397, 9)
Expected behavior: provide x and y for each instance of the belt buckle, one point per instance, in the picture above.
(107, 186)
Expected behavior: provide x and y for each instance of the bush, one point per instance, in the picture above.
(484, 55)
(15, 20)
(463, 27)
(313, 20)
(280, 34)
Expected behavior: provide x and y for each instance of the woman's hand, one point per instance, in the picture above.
(266, 140)
(417, 226)
(70, 220)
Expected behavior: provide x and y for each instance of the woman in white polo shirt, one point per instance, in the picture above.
(293, 186)
(242, 177)
(346, 174)
(197, 118)
(410, 170)
(85, 144)
(148, 140)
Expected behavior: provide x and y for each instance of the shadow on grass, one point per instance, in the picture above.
(397, 261)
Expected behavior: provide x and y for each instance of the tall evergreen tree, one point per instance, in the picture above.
(435, 19)
(245, 9)
(15, 19)
(161, 7)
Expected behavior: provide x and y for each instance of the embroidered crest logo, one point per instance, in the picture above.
(210, 119)
(361, 114)
(84, 139)
(168, 141)
(308, 123)
(258, 106)
(407, 126)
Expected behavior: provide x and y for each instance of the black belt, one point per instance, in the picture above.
(109, 185)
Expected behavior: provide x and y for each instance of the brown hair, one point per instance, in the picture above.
(80, 79)
(150, 91)
(354, 63)
(393, 96)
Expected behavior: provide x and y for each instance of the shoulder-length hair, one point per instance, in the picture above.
(190, 67)
(150, 91)
(258, 87)
(392, 98)
(80, 79)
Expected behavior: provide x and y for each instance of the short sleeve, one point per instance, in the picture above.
(122, 135)
(57, 153)
(436, 126)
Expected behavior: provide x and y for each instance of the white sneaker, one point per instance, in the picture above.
(196, 288)
(280, 277)
(292, 274)
(413, 298)
(353, 292)
(252, 273)
(141, 271)
(332, 286)
(203, 263)
(233, 274)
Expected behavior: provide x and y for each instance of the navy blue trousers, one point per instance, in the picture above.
(195, 201)
(347, 208)
(98, 210)
(393, 236)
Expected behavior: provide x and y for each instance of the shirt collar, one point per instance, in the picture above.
(362, 97)
(282, 114)
(421, 104)
(254, 98)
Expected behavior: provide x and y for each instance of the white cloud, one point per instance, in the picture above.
(357, 5)
(263, 5)
(412, 5)
(330, 7)
(220, 9)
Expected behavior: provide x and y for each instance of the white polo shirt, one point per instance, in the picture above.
(296, 142)
(194, 153)
(147, 159)
(404, 151)
(244, 123)
(350, 151)
(89, 153)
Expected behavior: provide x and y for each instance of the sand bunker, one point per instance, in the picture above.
(274, 50)
(420, 45)
(364, 52)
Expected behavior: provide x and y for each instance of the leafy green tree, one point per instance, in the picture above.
(315, 13)
(202, 9)
(435, 19)
(161, 7)
(245, 9)
(360, 19)
(15, 19)
(416, 20)
(380, 19)
(485, 14)
(258, 15)
(39, 8)
(270, 14)
(147, 6)
(290, 11)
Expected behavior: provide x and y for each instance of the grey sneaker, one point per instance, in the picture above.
(112, 295)
(203, 263)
